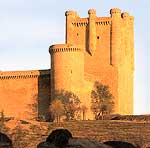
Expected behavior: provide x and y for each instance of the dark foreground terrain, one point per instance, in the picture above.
(134, 131)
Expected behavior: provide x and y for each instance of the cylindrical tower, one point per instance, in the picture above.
(115, 51)
(67, 68)
(131, 24)
(92, 31)
(70, 16)
(115, 36)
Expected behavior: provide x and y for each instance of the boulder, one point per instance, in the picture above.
(62, 138)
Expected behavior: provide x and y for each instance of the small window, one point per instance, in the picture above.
(98, 37)
(77, 34)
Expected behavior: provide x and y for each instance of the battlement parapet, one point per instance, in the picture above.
(125, 15)
(115, 11)
(64, 48)
(23, 74)
(103, 21)
(92, 11)
(84, 21)
(71, 13)
(80, 22)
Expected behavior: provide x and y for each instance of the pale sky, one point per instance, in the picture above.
(29, 27)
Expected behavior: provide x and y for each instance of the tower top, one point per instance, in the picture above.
(71, 13)
(125, 15)
(92, 11)
(115, 10)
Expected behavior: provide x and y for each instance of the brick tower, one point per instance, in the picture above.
(97, 49)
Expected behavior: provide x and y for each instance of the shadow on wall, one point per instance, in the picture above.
(5, 141)
(43, 94)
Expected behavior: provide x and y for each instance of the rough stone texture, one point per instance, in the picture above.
(101, 48)
(63, 138)
(5, 141)
(24, 94)
(76, 143)
(136, 133)
(96, 49)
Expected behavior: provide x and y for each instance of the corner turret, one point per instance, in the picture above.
(70, 16)
(125, 15)
(115, 12)
(67, 67)
(92, 31)
(115, 36)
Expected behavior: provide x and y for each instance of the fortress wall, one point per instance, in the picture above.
(126, 92)
(80, 31)
(123, 57)
(20, 92)
(16, 96)
(98, 65)
(44, 87)
(67, 68)
(67, 74)
(107, 44)
(101, 56)
(126, 66)
(108, 77)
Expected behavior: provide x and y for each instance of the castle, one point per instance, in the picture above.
(96, 49)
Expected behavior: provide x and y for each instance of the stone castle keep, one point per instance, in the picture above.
(96, 49)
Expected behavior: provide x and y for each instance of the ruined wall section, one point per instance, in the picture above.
(24, 94)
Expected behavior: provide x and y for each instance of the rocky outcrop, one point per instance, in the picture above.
(119, 144)
(62, 138)
(5, 141)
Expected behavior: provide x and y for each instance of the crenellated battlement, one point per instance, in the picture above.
(92, 11)
(71, 13)
(63, 48)
(80, 23)
(103, 23)
(125, 15)
(23, 74)
(84, 21)
(115, 11)
(96, 49)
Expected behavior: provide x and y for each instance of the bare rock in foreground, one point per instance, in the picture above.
(62, 138)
